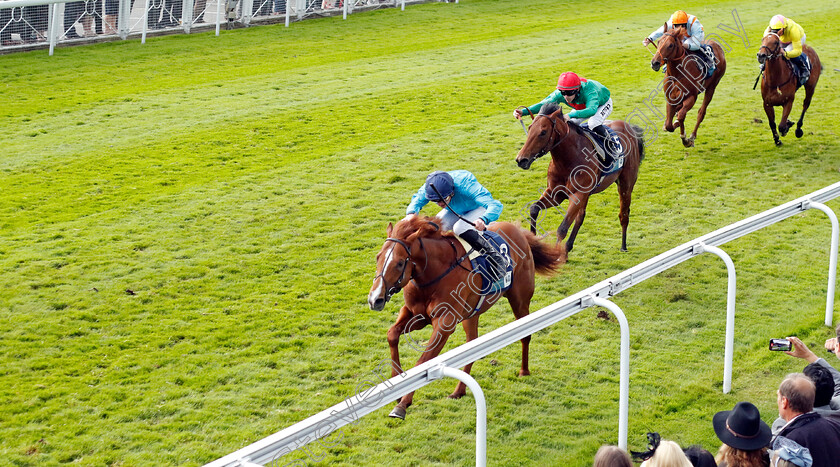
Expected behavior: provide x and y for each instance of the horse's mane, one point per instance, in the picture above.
(550, 108)
(678, 32)
(426, 227)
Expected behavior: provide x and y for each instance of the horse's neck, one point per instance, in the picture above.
(777, 72)
(571, 153)
(438, 256)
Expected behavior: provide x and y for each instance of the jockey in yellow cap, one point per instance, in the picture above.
(792, 37)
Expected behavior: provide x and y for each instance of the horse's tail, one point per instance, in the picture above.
(545, 257)
(638, 132)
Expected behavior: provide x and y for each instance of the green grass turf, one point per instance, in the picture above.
(240, 186)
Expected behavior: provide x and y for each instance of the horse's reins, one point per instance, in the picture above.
(773, 55)
(546, 149)
(452, 267)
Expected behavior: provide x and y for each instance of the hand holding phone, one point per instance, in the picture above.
(783, 345)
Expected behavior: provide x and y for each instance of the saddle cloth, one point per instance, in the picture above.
(612, 165)
(480, 266)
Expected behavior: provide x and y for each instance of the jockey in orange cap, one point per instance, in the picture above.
(694, 30)
(792, 37)
(590, 99)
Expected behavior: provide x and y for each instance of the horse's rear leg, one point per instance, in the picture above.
(809, 93)
(520, 303)
(625, 193)
(471, 330)
(771, 120)
(687, 104)
(701, 114)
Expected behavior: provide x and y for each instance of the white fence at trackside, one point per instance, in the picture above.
(322, 424)
(135, 18)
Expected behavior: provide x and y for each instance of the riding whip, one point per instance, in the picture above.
(757, 78)
(447, 205)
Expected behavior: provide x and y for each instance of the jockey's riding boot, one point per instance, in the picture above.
(802, 68)
(495, 261)
(609, 145)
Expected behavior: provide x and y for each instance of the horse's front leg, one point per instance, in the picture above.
(436, 342)
(785, 124)
(406, 322)
(551, 197)
(670, 111)
(771, 120)
(577, 202)
(687, 104)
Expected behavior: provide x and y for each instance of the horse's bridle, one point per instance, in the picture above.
(396, 287)
(772, 55)
(548, 146)
(678, 45)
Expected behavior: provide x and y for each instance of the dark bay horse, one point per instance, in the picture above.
(778, 84)
(439, 287)
(685, 79)
(575, 169)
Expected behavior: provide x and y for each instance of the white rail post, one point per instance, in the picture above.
(145, 22)
(344, 8)
(480, 408)
(832, 263)
(624, 382)
(730, 311)
(219, 15)
(52, 26)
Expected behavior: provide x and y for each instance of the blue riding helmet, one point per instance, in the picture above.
(443, 183)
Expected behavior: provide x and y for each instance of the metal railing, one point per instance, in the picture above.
(28, 24)
(328, 421)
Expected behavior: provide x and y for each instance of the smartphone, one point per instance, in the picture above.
(780, 344)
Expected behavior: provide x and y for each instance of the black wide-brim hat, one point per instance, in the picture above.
(742, 427)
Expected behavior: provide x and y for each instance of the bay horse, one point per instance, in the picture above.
(685, 79)
(779, 84)
(439, 286)
(574, 170)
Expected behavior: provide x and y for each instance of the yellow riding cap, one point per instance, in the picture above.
(777, 22)
(679, 17)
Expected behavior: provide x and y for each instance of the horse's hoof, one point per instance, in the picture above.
(799, 132)
(689, 143)
(524, 373)
(398, 412)
(778, 142)
(457, 395)
(623, 250)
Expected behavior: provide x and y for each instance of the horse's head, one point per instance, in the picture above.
(669, 47)
(395, 266)
(771, 47)
(547, 130)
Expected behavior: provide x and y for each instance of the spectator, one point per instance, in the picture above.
(198, 11)
(700, 457)
(745, 437)
(612, 456)
(788, 453)
(76, 12)
(808, 428)
(668, 454)
(800, 350)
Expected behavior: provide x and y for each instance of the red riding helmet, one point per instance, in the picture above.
(568, 81)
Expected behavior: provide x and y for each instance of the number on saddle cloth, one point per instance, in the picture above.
(480, 264)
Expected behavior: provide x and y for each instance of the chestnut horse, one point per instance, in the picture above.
(778, 84)
(685, 79)
(440, 288)
(575, 170)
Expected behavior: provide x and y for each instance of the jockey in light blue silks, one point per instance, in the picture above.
(465, 196)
